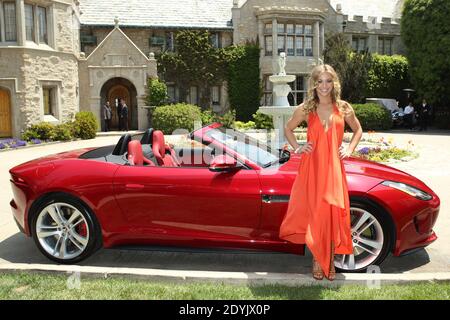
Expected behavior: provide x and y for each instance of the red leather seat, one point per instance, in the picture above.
(135, 154)
(165, 156)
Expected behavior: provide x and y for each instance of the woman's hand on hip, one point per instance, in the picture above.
(306, 148)
(344, 152)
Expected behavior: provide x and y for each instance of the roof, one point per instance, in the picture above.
(210, 14)
(379, 8)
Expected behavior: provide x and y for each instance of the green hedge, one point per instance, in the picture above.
(372, 116)
(388, 75)
(244, 87)
(42, 131)
(156, 92)
(263, 121)
(85, 125)
(176, 116)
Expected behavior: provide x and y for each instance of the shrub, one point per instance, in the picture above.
(372, 116)
(208, 116)
(42, 131)
(62, 132)
(178, 116)
(388, 75)
(85, 125)
(157, 92)
(227, 119)
(244, 125)
(263, 121)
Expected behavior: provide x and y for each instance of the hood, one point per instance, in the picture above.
(356, 166)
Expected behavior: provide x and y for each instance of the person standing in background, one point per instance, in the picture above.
(119, 113)
(124, 114)
(107, 115)
(424, 113)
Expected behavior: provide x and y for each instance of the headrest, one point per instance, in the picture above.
(147, 138)
(122, 145)
(159, 143)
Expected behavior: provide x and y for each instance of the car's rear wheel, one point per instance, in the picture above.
(372, 238)
(64, 229)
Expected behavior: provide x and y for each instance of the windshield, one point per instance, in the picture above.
(245, 145)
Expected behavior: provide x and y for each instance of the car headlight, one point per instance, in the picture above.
(414, 192)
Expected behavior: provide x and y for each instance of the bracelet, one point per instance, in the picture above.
(295, 151)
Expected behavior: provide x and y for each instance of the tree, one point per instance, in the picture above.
(425, 32)
(351, 67)
(196, 62)
(244, 87)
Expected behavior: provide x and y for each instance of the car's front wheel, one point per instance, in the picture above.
(64, 229)
(372, 238)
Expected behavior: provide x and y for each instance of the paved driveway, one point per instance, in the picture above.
(433, 167)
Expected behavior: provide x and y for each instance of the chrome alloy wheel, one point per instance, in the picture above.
(368, 240)
(62, 230)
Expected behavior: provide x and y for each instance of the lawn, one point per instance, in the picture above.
(45, 286)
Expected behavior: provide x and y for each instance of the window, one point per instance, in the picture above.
(359, 44)
(29, 22)
(308, 46)
(9, 21)
(385, 46)
(215, 40)
(290, 46)
(298, 93)
(295, 39)
(295, 97)
(268, 45)
(268, 28)
(215, 94)
(281, 44)
(170, 41)
(268, 87)
(192, 96)
(42, 22)
(172, 93)
(49, 100)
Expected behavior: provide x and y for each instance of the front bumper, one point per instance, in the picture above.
(414, 219)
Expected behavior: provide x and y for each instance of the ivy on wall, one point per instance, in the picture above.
(244, 84)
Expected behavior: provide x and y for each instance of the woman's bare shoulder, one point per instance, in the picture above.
(345, 107)
(301, 108)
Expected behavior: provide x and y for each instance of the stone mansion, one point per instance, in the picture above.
(58, 57)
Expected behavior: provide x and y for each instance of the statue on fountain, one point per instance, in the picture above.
(282, 64)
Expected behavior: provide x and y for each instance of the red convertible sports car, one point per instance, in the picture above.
(221, 189)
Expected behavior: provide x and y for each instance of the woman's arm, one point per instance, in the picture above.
(353, 122)
(298, 117)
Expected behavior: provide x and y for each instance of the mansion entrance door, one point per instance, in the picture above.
(5, 114)
(116, 92)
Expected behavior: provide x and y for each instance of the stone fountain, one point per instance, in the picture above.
(281, 111)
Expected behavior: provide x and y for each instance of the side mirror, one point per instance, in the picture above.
(223, 163)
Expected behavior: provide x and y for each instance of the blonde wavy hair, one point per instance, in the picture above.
(312, 99)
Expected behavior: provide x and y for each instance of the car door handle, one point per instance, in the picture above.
(134, 186)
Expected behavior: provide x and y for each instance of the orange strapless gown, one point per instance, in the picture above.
(319, 206)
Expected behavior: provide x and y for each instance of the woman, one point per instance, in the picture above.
(318, 213)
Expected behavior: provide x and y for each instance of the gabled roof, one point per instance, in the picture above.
(211, 14)
(370, 8)
(127, 48)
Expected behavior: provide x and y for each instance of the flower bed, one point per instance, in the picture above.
(15, 143)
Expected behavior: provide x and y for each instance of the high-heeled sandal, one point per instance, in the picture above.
(317, 270)
(332, 273)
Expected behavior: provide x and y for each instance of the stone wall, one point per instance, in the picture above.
(387, 27)
(67, 27)
(30, 70)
